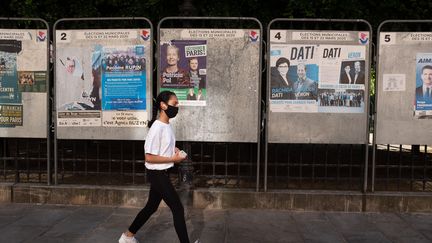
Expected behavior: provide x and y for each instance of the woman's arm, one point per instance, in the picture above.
(157, 159)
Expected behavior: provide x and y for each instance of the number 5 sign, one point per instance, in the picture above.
(63, 36)
(387, 38)
(278, 36)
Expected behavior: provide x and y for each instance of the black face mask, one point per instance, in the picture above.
(171, 111)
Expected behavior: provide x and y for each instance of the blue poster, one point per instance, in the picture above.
(9, 91)
(123, 78)
(423, 92)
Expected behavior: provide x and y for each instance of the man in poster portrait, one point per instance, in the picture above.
(200, 95)
(359, 75)
(305, 88)
(197, 80)
(424, 92)
(173, 74)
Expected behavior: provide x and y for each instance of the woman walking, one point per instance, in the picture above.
(160, 155)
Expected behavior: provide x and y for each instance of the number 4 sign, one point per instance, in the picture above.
(278, 36)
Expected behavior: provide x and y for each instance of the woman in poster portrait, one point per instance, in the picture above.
(281, 85)
(172, 74)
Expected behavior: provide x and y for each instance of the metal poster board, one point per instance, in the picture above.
(214, 67)
(404, 100)
(103, 78)
(318, 81)
(24, 78)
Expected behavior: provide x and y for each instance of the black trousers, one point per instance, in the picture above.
(161, 188)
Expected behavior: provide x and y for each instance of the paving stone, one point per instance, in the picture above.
(7, 220)
(395, 228)
(43, 217)
(363, 237)
(80, 222)
(315, 227)
(255, 225)
(420, 222)
(20, 233)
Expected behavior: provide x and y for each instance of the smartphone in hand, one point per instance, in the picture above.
(183, 154)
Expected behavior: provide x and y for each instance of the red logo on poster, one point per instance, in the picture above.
(145, 35)
(41, 36)
(363, 38)
(253, 36)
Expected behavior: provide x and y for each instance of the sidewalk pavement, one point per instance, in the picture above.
(50, 223)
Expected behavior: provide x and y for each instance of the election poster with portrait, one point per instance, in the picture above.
(9, 92)
(318, 77)
(404, 81)
(184, 70)
(124, 80)
(423, 87)
(215, 73)
(11, 115)
(23, 79)
(101, 77)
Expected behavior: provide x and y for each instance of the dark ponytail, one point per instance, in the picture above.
(163, 96)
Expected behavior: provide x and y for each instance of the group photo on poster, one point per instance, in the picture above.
(123, 78)
(32, 81)
(343, 98)
(423, 90)
(183, 70)
(317, 78)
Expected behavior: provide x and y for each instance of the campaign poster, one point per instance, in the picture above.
(102, 77)
(32, 81)
(423, 90)
(317, 78)
(294, 78)
(9, 92)
(78, 89)
(345, 64)
(184, 70)
(23, 69)
(123, 78)
(11, 115)
(124, 84)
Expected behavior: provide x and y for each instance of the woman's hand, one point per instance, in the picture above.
(177, 158)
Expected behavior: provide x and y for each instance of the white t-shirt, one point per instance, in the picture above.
(160, 141)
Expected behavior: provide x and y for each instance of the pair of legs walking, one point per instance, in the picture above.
(162, 189)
